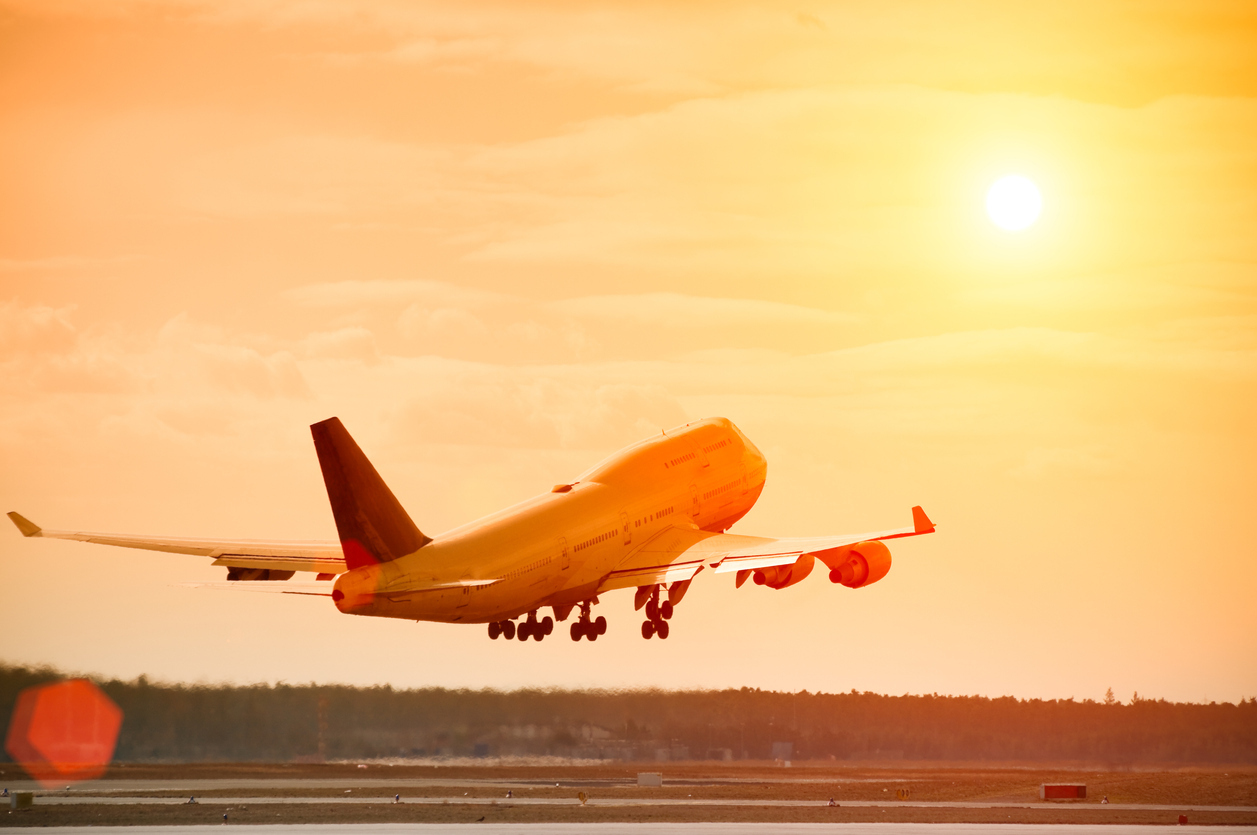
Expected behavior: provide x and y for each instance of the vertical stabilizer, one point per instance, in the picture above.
(373, 526)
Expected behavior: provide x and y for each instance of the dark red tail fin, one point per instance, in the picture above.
(373, 525)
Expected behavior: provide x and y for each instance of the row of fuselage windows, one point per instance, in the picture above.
(532, 566)
(717, 445)
(719, 490)
(646, 520)
(589, 543)
(689, 456)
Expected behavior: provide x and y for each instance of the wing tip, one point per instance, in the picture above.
(26, 526)
(920, 522)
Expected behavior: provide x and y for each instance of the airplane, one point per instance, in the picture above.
(649, 518)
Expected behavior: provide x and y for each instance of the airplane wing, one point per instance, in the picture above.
(679, 554)
(308, 589)
(768, 553)
(320, 557)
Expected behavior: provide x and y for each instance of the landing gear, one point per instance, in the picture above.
(504, 628)
(586, 628)
(657, 615)
(532, 628)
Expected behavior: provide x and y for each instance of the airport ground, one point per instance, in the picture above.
(157, 795)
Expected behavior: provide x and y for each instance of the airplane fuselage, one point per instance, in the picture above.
(555, 549)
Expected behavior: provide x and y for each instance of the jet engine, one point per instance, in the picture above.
(781, 576)
(858, 565)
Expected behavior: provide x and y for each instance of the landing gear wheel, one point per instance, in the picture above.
(600, 626)
(547, 625)
(577, 631)
(495, 629)
(666, 610)
(663, 629)
(648, 629)
(508, 630)
(652, 610)
(593, 634)
(524, 629)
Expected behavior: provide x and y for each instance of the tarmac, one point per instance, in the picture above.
(69, 799)
(656, 829)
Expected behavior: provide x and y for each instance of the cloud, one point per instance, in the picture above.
(59, 263)
(487, 408)
(342, 294)
(675, 310)
(346, 343)
(34, 328)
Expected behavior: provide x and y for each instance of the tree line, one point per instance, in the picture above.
(176, 722)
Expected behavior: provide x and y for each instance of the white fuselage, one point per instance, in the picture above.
(555, 549)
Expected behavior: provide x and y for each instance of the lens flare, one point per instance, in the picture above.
(1013, 203)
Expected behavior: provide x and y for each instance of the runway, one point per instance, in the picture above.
(658, 829)
(123, 800)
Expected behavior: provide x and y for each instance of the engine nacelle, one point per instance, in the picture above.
(781, 576)
(858, 565)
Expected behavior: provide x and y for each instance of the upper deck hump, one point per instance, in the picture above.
(658, 456)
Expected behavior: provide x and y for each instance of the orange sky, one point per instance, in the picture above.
(502, 241)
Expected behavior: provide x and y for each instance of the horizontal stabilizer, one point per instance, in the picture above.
(373, 525)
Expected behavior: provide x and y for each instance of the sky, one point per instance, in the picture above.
(502, 241)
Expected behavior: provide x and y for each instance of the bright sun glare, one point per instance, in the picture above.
(1013, 203)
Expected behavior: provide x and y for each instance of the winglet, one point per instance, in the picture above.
(373, 525)
(26, 526)
(920, 522)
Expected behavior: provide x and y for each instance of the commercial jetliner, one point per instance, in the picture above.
(649, 518)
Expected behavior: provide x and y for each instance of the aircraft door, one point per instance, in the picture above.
(565, 558)
(697, 446)
(628, 529)
(694, 500)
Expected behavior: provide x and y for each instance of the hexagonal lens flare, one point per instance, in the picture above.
(64, 732)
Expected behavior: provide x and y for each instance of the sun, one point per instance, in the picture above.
(1013, 202)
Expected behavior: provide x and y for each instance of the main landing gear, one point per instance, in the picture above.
(586, 628)
(657, 616)
(531, 628)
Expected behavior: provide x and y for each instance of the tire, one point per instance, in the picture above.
(508, 630)
(652, 610)
(600, 625)
(547, 625)
(648, 629)
(522, 631)
(663, 629)
(593, 635)
(495, 629)
(538, 633)
(666, 610)
(576, 631)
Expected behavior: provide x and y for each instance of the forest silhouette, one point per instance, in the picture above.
(204, 723)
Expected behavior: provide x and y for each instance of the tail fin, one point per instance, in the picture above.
(372, 524)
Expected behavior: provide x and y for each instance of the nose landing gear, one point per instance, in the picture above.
(586, 628)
